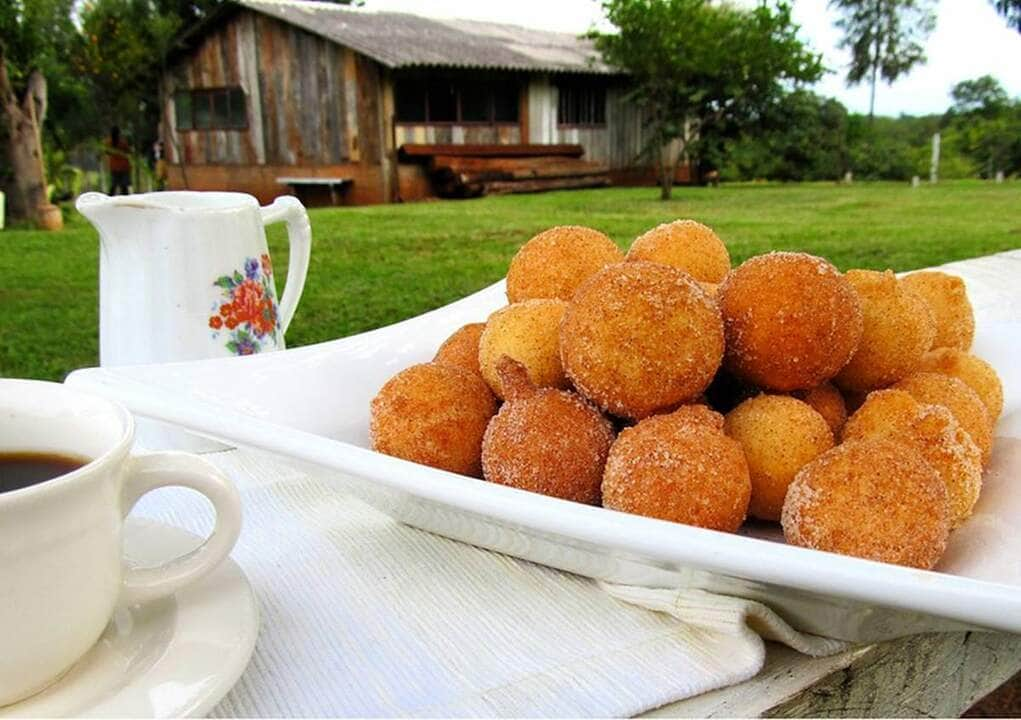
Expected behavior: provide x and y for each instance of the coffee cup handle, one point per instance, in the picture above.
(163, 469)
(289, 209)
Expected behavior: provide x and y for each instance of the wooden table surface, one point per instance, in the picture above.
(931, 675)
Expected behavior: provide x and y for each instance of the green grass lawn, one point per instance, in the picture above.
(375, 265)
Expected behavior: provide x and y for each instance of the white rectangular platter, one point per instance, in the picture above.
(312, 404)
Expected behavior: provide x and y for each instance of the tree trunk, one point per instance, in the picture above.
(872, 94)
(26, 187)
(876, 60)
(669, 153)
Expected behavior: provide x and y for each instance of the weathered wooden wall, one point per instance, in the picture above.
(453, 134)
(314, 108)
(261, 180)
(296, 89)
(618, 143)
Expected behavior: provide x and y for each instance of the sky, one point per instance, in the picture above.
(970, 40)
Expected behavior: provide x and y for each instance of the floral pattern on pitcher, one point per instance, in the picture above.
(247, 309)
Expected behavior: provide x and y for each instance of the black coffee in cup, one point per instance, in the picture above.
(22, 469)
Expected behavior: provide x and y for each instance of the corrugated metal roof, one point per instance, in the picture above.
(402, 40)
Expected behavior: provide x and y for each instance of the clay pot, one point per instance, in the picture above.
(50, 218)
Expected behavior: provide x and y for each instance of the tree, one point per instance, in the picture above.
(804, 137)
(23, 115)
(984, 95)
(1011, 10)
(34, 40)
(986, 125)
(701, 70)
(885, 38)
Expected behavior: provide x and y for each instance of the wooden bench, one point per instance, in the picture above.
(334, 184)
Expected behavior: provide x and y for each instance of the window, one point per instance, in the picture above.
(441, 102)
(419, 99)
(410, 101)
(210, 109)
(581, 104)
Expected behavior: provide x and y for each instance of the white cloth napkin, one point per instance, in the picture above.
(362, 616)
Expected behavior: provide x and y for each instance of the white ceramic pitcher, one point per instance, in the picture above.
(187, 275)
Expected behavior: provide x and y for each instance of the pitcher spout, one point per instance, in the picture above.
(91, 204)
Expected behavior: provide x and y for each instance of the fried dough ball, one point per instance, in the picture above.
(779, 435)
(948, 300)
(959, 399)
(671, 468)
(973, 371)
(556, 261)
(792, 321)
(529, 333)
(933, 432)
(699, 414)
(435, 415)
(687, 245)
(874, 498)
(462, 348)
(826, 400)
(882, 412)
(899, 329)
(640, 337)
(546, 441)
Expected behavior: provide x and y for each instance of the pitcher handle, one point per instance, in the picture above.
(289, 209)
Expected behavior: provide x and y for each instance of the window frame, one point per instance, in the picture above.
(459, 84)
(207, 94)
(595, 89)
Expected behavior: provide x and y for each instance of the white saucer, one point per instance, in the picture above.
(175, 657)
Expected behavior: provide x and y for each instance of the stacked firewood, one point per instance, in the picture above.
(473, 176)
(473, 170)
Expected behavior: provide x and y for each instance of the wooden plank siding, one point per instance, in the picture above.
(616, 144)
(454, 134)
(297, 95)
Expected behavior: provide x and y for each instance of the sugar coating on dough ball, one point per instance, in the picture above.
(671, 468)
(779, 435)
(933, 432)
(547, 441)
(462, 348)
(963, 403)
(874, 498)
(899, 330)
(640, 338)
(973, 371)
(948, 299)
(792, 321)
(699, 414)
(686, 245)
(556, 261)
(435, 415)
(881, 412)
(528, 332)
(711, 289)
(826, 400)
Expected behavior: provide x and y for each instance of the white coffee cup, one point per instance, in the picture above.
(61, 567)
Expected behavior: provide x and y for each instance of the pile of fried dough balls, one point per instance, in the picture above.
(665, 383)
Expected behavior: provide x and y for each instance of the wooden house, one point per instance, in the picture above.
(271, 96)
